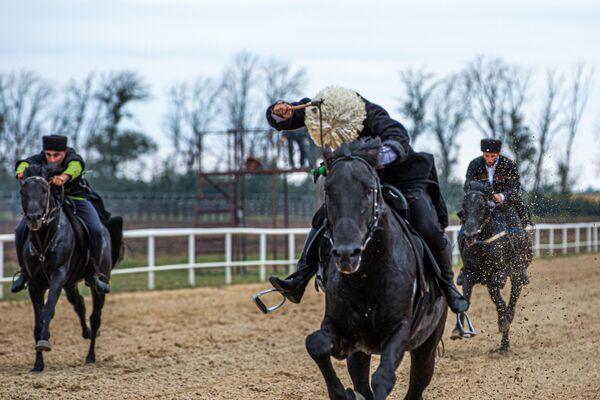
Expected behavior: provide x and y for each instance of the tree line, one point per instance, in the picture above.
(494, 97)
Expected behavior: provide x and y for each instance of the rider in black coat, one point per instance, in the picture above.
(504, 179)
(67, 167)
(412, 172)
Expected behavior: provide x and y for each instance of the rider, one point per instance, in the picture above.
(68, 166)
(347, 116)
(503, 176)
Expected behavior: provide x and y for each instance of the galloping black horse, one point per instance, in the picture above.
(371, 286)
(494, 247)
(53, 260)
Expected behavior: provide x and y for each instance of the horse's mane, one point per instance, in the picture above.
(482, 187)
(365, 148)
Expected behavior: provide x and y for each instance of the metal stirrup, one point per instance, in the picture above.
(262, 306)
(465, 333)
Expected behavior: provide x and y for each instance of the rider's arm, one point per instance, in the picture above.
(21, 167)
(280, 124)
(74, 169)
(392, 133)
(514, 182)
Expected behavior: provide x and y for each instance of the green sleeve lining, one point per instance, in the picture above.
(21, 167)
(73, 169)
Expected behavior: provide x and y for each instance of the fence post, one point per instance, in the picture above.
(228, 258)
(192, 259)
(588, 238)
(291, 252)
(564, 240)
(577, 239)
(538, 251)
(1, 269)
(263, 257)
(551, 241)
(151, 262)
(595, 237)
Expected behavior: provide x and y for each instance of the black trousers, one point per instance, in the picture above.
(424, 219)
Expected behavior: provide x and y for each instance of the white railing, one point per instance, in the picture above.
(550, 245)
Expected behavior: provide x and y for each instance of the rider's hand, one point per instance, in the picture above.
(21, 175)
(498, 198)
(283, 110)
(60, 180)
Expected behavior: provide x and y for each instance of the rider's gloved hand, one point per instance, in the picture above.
(386, 156)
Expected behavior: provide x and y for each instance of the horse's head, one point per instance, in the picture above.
(476, 211)
(353, 201)
(36, 197)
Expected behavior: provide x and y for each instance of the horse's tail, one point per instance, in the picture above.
(115, 228)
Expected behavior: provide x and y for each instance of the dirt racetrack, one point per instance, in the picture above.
(214, 344)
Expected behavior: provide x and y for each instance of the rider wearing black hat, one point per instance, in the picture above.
(344, 116)
(67, 167)
(502, 174)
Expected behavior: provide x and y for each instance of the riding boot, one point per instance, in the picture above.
(293, 286)
(455, 299)
(18, 283)
(98, 279)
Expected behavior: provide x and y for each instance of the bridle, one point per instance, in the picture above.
(49, 212)
(485, 221)
(376, 205)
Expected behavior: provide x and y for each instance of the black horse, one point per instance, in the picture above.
(494, 247)
(371, 286)
(54, 260)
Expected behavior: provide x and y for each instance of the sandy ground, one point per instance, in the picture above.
(214, 344)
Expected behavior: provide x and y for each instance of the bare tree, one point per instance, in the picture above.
(581, 80)
(499, 93)
(418, 87)
(24, 98)
(239, 84)
(111, 144)
(192, 111)
(70, 116)
(450, 110)
(547, 125)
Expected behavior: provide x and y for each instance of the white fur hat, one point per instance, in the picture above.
(344, 113)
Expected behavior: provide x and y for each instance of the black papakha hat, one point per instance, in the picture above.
(491, 145)
(55, 142)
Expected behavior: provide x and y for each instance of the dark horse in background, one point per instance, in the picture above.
(54, 259)
(494, 247)
(372, 286)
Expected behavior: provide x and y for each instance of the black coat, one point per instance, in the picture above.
(410, 170)
(74, 187)
(506, 177)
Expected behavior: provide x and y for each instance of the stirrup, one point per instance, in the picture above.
(262, 306)
(467, 334)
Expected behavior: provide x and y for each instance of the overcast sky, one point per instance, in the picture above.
(358, 44)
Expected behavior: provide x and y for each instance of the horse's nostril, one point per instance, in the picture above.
(335, 253)
(356, 252)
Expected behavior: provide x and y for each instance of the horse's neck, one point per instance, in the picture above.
(381, 245)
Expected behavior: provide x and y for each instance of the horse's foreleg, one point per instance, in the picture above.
(95, 319)
(319, 345)
(515, 291)
(359, 370)
(36, 294)
(393, 350)
(79, 305)
(422, 362)
(57, 281)
(503, 320)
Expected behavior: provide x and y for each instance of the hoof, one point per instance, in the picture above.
(90, 359)
(86, 333)
(353, 395)
(37, 369)
(43, 345)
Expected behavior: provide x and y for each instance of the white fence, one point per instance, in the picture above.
(541, 232)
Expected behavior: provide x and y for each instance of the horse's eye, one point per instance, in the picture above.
(369, 191)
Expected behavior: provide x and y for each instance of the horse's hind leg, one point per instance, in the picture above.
(319, 345)
(422, 363)
(359, 370)
(79, 305)
(98, 302)
(37, 299)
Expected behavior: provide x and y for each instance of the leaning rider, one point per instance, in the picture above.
(503, 176)
(68, 167)
(346, 116)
